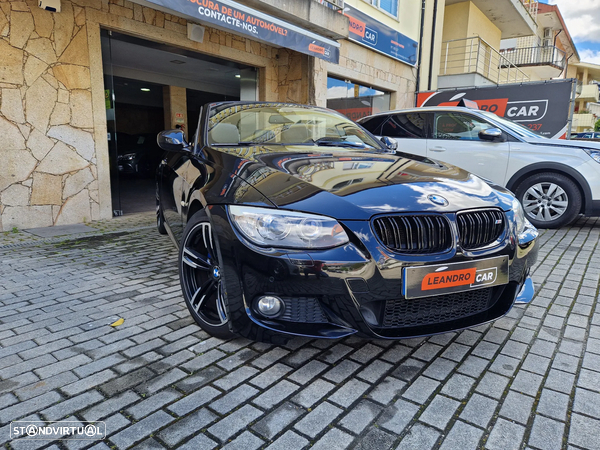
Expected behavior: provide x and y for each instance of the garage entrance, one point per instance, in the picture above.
(150, 87)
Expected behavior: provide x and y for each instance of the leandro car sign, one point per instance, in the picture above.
(543, 107)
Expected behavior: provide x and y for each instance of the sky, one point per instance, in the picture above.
(582, 18)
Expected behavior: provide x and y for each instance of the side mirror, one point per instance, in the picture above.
(172, 141)
(389, 143)
(492, 134)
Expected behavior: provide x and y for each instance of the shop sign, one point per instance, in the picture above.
(240, 19)
(373, 34)
(543, 107)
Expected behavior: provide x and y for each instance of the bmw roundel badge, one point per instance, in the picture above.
(438, 200)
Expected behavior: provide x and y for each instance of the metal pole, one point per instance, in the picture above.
(470, 55)
(572, 111)
(446, 60)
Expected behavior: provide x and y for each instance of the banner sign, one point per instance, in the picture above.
(543, 107)
(232, 16)
(377, 36)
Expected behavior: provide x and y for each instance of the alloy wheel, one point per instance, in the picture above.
(201, 275)
(545, 201)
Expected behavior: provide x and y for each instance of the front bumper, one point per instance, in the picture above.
(357, 288)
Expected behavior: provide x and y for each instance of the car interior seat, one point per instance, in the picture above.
(225, 133)
(296, 133)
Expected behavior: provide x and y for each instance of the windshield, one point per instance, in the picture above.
(283, 124)
(514, 126)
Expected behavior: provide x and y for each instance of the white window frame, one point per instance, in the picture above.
(375, 4)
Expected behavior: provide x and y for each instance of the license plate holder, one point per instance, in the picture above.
(441, 279)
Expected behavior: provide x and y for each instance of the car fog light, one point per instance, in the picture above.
(269, 306)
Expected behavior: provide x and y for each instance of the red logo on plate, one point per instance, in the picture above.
(441, 280)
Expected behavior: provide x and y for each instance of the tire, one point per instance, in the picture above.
(550, 200)
(200, 274)
(160, 220)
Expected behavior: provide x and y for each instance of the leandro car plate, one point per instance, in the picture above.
(427, 281)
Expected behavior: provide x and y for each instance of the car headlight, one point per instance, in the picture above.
(594, 154)
(520, 218)
(127, 157)
(276, 228)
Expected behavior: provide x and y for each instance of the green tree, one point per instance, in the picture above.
(597, 125)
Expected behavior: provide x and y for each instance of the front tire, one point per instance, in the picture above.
(550, 200)
(201, 277)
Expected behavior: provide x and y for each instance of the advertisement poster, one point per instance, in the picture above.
(543, 107)
(248, 22)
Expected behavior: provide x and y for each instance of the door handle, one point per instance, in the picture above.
(438, 149)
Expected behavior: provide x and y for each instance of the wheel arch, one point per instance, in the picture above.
(569, 172)
(196, 202)
(195, 206)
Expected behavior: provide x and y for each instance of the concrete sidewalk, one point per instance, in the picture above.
(530, 380)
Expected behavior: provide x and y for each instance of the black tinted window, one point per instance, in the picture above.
(409, 125)
(374, 124)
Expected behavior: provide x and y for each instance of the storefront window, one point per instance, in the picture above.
(354, 100)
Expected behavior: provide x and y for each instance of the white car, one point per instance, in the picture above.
(555, 180)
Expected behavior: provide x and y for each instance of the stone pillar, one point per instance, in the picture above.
(175, 106)
(317, 86)
(294, 73)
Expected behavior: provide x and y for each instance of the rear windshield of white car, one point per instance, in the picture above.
(514, 126)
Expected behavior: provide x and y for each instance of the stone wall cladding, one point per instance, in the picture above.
(45, 117)
(49, 170)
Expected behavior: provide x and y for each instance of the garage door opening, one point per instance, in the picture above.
(151, 87)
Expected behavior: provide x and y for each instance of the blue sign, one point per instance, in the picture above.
(240, 19)
(373, 34)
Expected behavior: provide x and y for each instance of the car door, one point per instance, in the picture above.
(455, 140)
(407, 129)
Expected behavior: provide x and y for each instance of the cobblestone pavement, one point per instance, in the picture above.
(530, 380)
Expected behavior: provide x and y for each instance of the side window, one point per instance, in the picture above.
(373, 125)
(458, 126)
(407, 125)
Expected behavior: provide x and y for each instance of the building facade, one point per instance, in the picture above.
(461, 45)
(86, 84)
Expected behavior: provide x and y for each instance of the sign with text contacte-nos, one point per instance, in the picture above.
(240, 19)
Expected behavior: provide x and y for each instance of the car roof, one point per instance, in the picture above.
(429, 109)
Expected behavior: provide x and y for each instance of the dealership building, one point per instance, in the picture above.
(86, 85)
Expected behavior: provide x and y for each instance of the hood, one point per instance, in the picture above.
(356, 185)
(564, 143)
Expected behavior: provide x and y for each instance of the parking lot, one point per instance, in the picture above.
(529, 380)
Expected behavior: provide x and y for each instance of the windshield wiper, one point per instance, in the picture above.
(222, 144)
(338, 142)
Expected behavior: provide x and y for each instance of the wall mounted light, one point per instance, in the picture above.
(50, 5)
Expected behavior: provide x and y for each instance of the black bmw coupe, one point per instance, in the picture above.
(292, 220)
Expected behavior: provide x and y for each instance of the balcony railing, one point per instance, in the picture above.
(589, 92)
(536, 56)
(584, 120)
(336, 5)
(474, 55)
